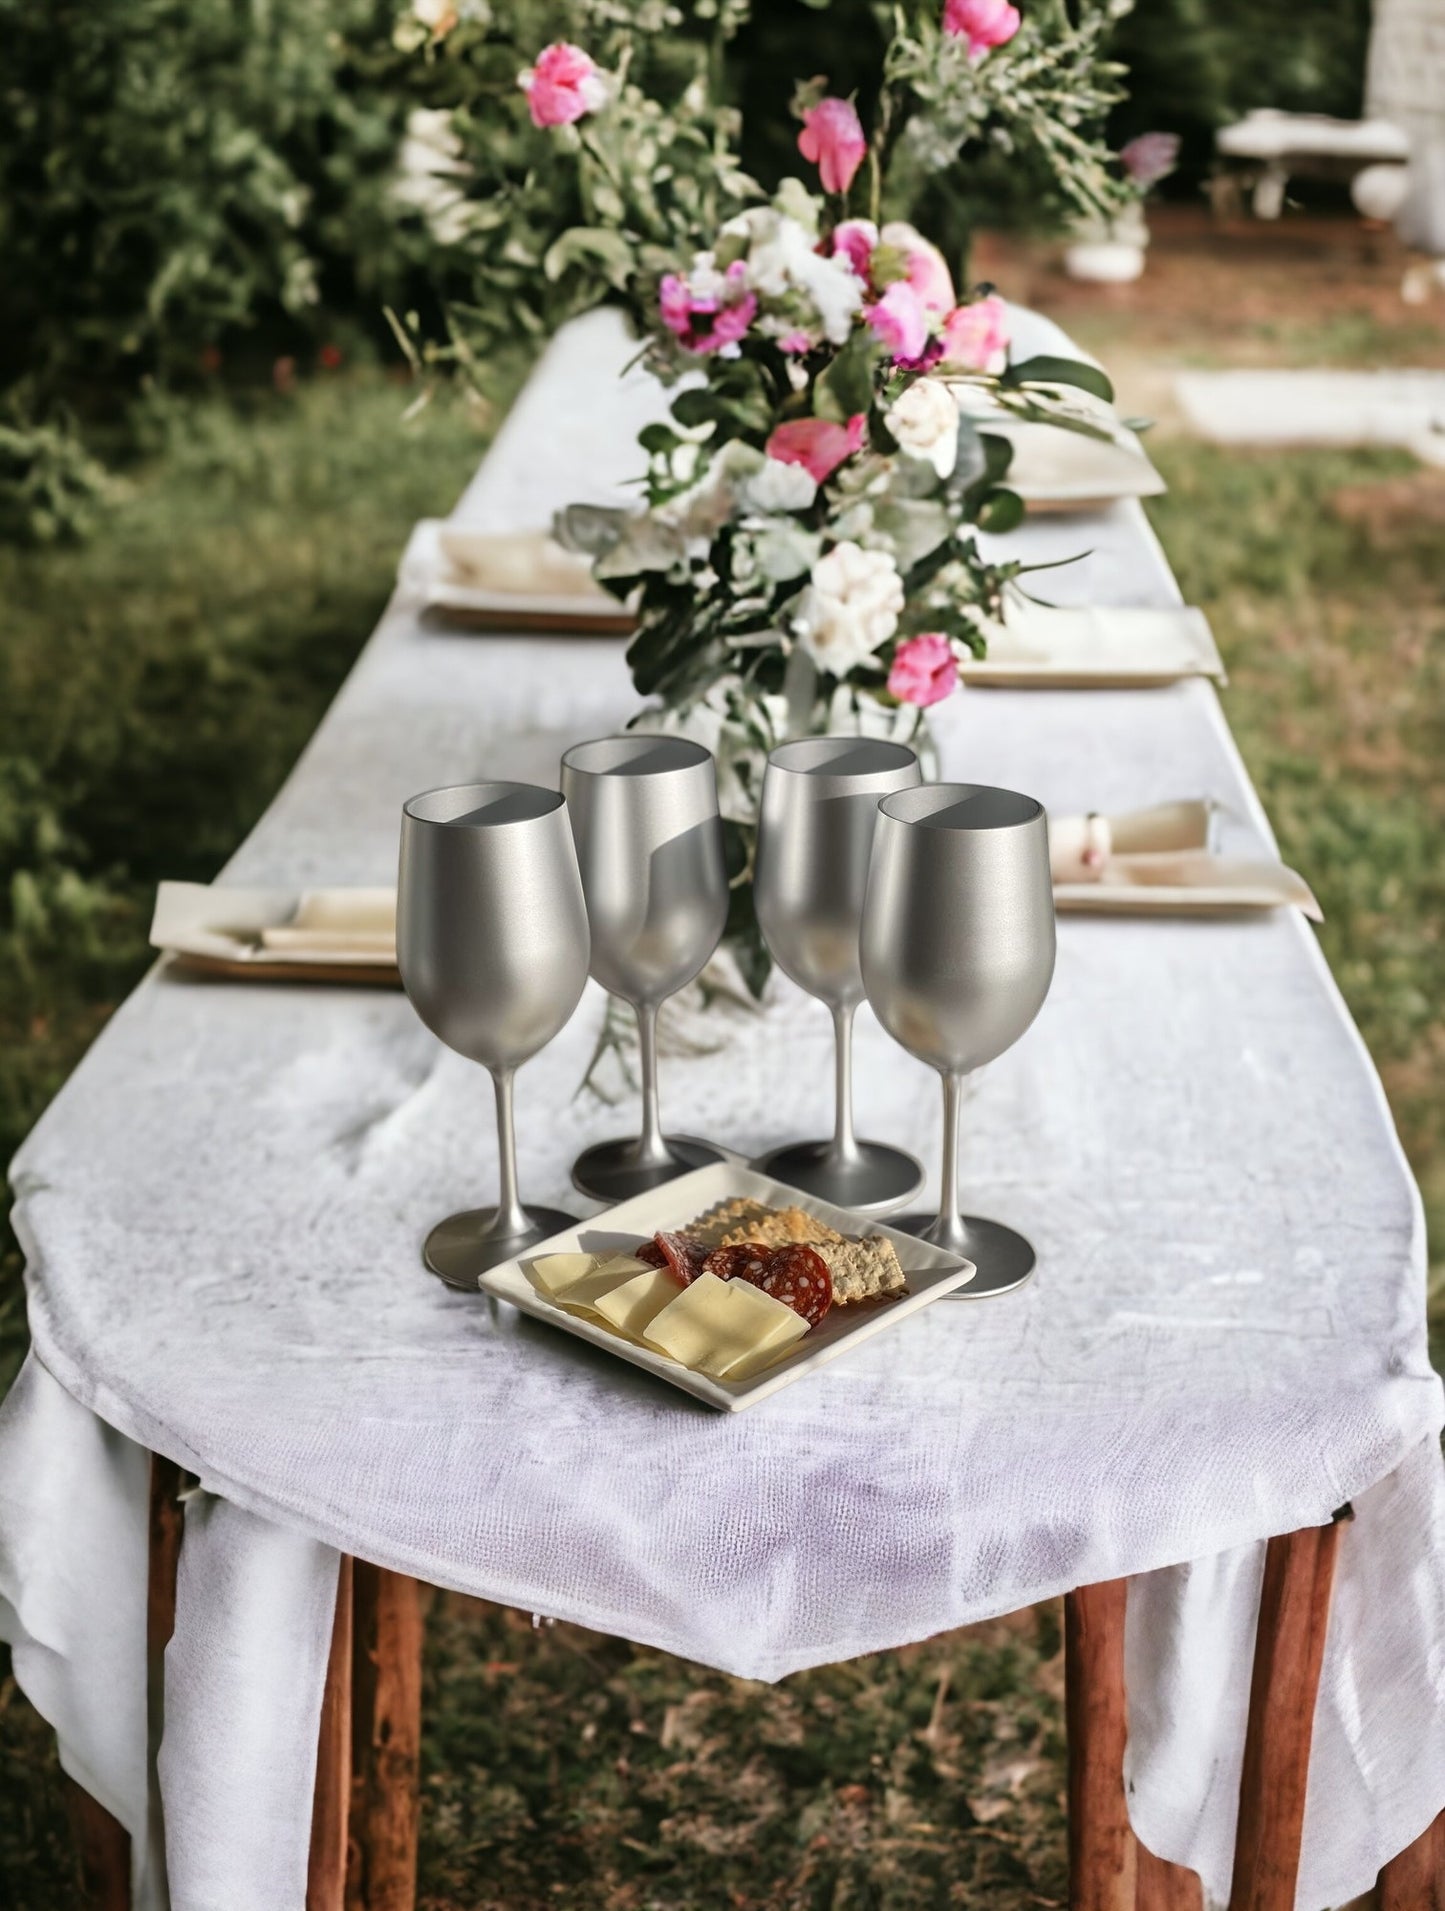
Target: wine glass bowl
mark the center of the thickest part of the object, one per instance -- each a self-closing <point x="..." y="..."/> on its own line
<point x="491" y="943"/>
<point x="645" y="820"/>
<point x="815" y="834"/>
<point x="957" y="952"/>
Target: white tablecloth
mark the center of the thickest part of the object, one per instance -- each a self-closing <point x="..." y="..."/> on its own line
<point x="1225" y="1340"/>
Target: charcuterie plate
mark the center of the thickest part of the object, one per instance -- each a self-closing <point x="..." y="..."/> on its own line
<point x="724" y="1346"/>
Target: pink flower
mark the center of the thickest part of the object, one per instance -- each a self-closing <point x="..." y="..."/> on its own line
<point x="1149" y="158"/>
<point x="832" y="137"/>
<point x="975" y="337"/>
<point x="711" y="317"/>
<point x="927" y="273"/>
<point x="854" y="240"/>
<point x="563" y="85"/>
<point x="817" y="444"/>
<point x="924" y="669"/>
<point x="796" y="344"/>
<point x="983" y="23"/>
<point x="900" y="322"/>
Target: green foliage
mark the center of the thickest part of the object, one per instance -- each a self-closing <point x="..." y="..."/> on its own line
<point x="1195" y="65"/>
<point x="176" y="173"/>
<point x="50" y="486"/>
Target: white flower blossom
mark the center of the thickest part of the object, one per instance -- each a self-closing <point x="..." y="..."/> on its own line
<point x="782" y="262"/>
<point x="924" y="420"/>
<point x="850" y="608"/>
<point x="779" y="487"/>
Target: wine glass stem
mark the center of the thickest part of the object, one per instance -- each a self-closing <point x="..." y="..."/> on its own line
<point x="652" y="1150"/>
<point x="511" y="1216"/>
<point x="948" y="1217"/>
<point x="845" y="1145"/>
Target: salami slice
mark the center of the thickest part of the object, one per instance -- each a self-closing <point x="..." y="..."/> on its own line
<point x="748" y="1262"/>
<point x="650" y="1255"/>
<point x="684" y="1256"/>
<point x="798" y="1276"/>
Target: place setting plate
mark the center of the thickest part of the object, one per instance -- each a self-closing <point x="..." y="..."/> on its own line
<point x="932" y="1273"/>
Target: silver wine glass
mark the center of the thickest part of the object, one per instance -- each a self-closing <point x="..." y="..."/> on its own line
<point x="815" y="833"/>
<point x="958" y="953"/>
<point x="491" y="941"/>
<point x="649" y="841"/>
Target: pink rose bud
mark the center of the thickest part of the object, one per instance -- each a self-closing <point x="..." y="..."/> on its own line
<point x="832" y="137"/>
<point x="924" y="669"/>
<point x="817" y="444"/>
<point x="564" y="85"/>
<point x="899" y="321"/>
<point x="983" y="23"/>
<point x="976" y="336"/>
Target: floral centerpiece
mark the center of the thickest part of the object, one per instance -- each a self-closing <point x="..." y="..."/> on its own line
<point x="805" y="555"/>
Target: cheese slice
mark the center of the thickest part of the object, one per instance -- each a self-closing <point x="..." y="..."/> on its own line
<point x="633" y="1307"/>
<point x="581" y="1296"/>
<point x="550" y="1273"/>
<point x="715" y="1326"/>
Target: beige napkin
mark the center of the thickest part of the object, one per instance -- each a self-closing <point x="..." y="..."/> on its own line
<point x="339" y="922"/>
<point x="267" y="928"/>
<point x="1162" y="856"/>
<point x="1099" y="645"/>
<point x="519" y="564"/>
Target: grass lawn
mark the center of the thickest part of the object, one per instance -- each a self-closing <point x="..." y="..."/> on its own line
<point x="154" y="688"/>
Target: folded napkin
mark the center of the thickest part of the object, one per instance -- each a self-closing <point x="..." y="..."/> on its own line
<point x="1163" y="855"/>
<point x="339" y="922"/>
<point x="272" y="930"/>
<point x="517" y="564"/>
<point x="1100" y="645"/>
<point x="508" y="581"/>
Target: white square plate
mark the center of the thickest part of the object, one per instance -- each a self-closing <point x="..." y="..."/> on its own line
<point x="931" y="1272"/>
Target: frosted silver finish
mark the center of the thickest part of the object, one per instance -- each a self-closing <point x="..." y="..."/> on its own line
<point x="491" y="941"/>
<point x="649" y="844"/>
<point x="957" y="953"/>
<point x="815" y="834"/>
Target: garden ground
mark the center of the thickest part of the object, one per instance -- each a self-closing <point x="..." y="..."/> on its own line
<point x="155" y="686"/>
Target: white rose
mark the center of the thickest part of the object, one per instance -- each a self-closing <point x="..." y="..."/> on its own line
<point x="924" y="420"/>
<point x="782" y="259"/>
<point x="850" y="608"/>
<point x="780" y="487"/>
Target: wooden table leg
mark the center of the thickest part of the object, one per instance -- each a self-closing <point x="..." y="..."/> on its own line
<point x="1160" y="1886"/>
<point x="331" y="1796"/>
<point x="1289" y="1649"/>
<point x="1415" y="1881"/>
<point x="386" y="1741"/>
<point x="1109" y="1870"/>
<point x="103" y="1846"/>
<point x="1102" y="1851"/>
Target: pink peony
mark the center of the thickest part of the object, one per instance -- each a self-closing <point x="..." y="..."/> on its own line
<point x="817" y="444"/>
<point x="975" y="337"/>
<point x="564" y="85"/>
<point x="832" y="137"/>
<point x="983" y="23"/>
<point x="854" y="240"/>
<point x="924" y="669"/>
<point x="900" y="322"/>
<point x="711" y="321"/>
<point x="927" y="273"/>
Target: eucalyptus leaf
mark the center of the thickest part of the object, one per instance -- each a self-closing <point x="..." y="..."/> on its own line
<point x="1001" y="511"/>
<point x="1045" y="369"/>
<point x="600" y="244"/>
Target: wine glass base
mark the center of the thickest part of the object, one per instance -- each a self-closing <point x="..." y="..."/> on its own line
<point x="1004" y="1259"/>
<point x="877" y="1179"/>
<point x="459" y="1250"/>
<point x="612" y="1172"/>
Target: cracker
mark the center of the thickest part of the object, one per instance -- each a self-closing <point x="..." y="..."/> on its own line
<point x="781" y="1227"/>
<point x="865" y="1270"/>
